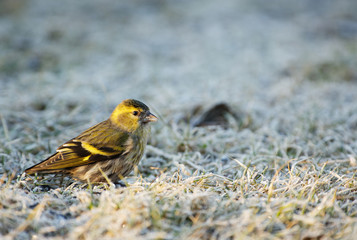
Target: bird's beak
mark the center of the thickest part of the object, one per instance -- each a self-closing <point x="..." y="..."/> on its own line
<point x="149" y="118"/>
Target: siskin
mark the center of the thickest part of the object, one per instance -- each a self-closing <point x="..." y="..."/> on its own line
<point x="109" y="149"/>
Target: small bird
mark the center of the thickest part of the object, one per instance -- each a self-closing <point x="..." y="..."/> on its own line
<point x="109" y="149"/>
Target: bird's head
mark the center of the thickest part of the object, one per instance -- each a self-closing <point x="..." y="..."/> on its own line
<point x="131" y="114"/>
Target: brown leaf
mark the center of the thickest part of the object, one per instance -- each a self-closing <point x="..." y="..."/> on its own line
<point x="217" y="115"/>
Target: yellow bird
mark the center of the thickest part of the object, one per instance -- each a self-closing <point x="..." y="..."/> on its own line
<point x="109" y="149"/>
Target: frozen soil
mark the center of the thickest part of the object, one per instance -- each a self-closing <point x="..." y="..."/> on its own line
<point x="283" y="166"/>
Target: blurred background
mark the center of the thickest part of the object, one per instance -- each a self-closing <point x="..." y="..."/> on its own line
<point x="65" y="55"/>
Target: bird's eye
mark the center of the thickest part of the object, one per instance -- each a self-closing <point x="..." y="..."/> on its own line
<point x="135" y="113"/>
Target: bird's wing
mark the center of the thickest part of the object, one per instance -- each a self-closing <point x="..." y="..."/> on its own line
<point x="89" y="147"/>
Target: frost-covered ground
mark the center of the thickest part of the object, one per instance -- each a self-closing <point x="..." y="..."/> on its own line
<point x="283" y="167"/>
